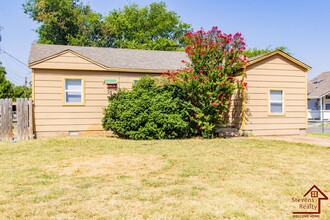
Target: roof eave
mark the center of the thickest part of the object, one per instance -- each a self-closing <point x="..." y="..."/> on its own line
<point x="110" y="69"/>
<point x="320" y="96"/>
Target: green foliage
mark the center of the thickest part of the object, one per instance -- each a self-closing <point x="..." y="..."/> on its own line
<point x="253" y="52"/>
<point x="209" y="81"/>
<point x="21" y="92"/>
<point x="151" y="27"/>
<point x="69" y="22"/>
<point x="6" y="87"/>
<point x="9" y="90"/>
<point x="191" y="101"/>
<point x="65" y="22"/>
<point x="145" y="112"/>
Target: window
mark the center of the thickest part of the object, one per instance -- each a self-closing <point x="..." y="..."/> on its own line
<point x="112" y="85"/>
<point x="135" y="82"/>
<point x="327" y="106"/>
<point x="73" y="91"/>
<point x="327" y="102"/>
<point x="314" y="193"/>
<point x="276" y="102"/>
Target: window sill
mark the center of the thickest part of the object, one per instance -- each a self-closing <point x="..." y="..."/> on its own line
<point x="276" y="114"/>
<point x="73" y="104"/>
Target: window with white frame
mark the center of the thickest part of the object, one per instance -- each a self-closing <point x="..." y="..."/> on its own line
<point x="327" y="102"/>
<point x="73" y="91"/>
<point x="276" y="101"/>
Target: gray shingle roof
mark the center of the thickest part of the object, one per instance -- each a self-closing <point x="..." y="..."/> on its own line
<point x="124" y="58"/>
<point x="257" y="57"/>
<point x="115" y="58"/>
<point x="319" y="86"/>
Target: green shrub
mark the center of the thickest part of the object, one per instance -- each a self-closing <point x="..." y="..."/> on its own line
<point x="146" y="112"/>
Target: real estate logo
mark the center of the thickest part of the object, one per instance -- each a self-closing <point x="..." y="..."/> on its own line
<point x="310" y="204"/>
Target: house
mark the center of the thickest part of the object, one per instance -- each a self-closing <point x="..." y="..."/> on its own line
<point x="276" y="95"/>
<point x="319" y="97"/>
<point x="70" y="86"/>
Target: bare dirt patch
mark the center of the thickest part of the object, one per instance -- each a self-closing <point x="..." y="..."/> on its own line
<point x="117" y="165"/>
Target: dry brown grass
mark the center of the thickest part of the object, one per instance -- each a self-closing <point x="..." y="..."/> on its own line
<point x="94" y="178"/>
<point x="105" y="165"/>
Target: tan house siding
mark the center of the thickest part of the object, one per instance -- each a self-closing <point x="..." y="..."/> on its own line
<point x="68" y="61"/>
<point x="53" y="118"/>
<point x="276" y="72"/>
<point x="52" y="64"/>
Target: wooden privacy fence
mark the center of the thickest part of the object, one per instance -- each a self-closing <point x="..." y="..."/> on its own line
<point x="16" y="120"/>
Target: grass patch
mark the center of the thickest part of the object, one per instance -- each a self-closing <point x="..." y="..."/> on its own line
<point x="84" y="178"/>
<point x="318" y="135"/>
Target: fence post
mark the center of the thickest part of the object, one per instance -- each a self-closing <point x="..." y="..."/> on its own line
<point x="26" y="119"/>
<point x="4" y="121"/>
<point x="2" y="126"/>
<point x="6" y="130"/>
<point x="22" y="119"/>
<point x="322" y="120"/>
<point x="30" y="119"/>
<point x="10" y="120"/>
<point x="19" y="119"/>
<point x="24" y="114"/>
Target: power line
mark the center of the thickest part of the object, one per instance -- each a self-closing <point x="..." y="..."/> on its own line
<point x="15" y="77"/>
<point x="20" y="77"/>
<point x="18" y="69"/>
<point x="14" y="58"/>
<point x="13" y="74"/>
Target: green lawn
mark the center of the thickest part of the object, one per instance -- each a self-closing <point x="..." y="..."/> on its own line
<point x="318" y="135"/>
<point x="109" y="178"/>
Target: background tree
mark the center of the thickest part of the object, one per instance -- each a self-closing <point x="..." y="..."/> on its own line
<point x="65" y="22"/>
<point x="253" y="52"/>
<point x="152" y="27"/>
<point x="6" y="87"/>
<point x="21" y="92"/>
<point x="9" y="90"/>
<point x="69" y="22"/>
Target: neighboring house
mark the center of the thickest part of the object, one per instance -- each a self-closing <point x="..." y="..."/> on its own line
<point x="319" y="97"/>
<point x="71" y="84"/>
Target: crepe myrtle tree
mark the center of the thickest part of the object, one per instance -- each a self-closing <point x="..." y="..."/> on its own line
<point x="210" y="78"/>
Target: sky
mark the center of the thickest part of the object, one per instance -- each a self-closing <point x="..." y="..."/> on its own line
<point x="303" y="26"/>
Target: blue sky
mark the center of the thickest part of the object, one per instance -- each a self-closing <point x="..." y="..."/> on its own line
<point x="301" y="25"/>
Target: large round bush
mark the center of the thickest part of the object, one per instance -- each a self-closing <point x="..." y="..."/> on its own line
<point x="146" y="112"/>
